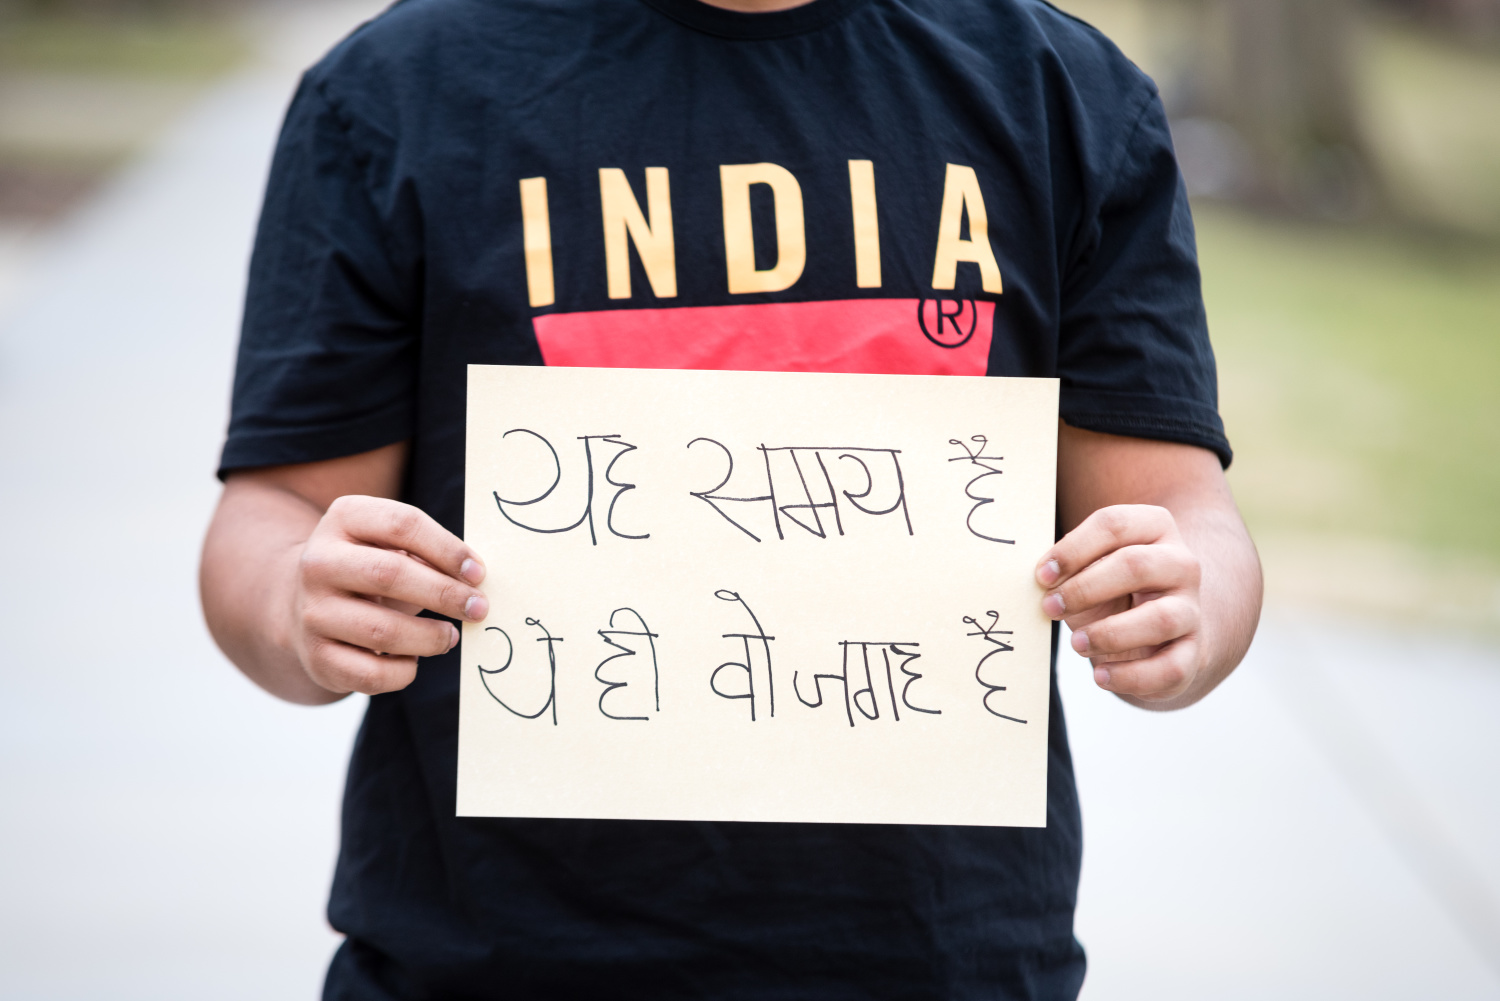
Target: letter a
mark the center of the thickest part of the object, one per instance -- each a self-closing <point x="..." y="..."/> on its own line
<point x="624" y="222"/>
<point x="960" y="195"/>
<point x="536" y="240"/>
<point x="739" y="236"/>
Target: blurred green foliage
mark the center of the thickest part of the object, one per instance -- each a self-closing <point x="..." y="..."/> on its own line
<point x="85" y="86"/>
<point x="140" y="44"/>
<point x="1360" y="377"/>
<point x="1432" y="112"/>
<point x="1359" y="362"/>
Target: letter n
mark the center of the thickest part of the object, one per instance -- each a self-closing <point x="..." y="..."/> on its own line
<point x="624" y="222"/>
<point x="961" y="196"/>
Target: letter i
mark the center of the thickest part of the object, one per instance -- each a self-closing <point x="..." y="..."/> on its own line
<point x="536" y="239"/>
<point x="866" y="224"/>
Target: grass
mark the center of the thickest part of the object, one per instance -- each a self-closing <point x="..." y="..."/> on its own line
<point x="1360" y="375"/>
<point x="136" y="46"/>
<point x="1359" y="366"/>
<point x="1430" y="108"/>
<point x="81" y="93"/>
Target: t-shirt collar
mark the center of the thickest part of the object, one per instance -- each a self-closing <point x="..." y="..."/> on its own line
<point x="737" y="24"/>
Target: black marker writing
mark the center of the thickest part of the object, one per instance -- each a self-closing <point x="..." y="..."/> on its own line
<point x="759" y="636"/>
<point x="800" y="478"/>
<point x="992" y="636"/>
<point x="988" y="464"/>
<point x="712" y="497"/>
<point x="870" y="708"/>
<point x="610" y="636"/>
<point x="587" y="514"/>
<point x="486" y="674"/>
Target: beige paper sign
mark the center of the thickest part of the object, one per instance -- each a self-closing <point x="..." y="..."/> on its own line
<point x="757" y="596"/>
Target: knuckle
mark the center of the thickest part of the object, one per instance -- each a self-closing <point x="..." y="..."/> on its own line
<point x="1136" y="561"/>
<point x="1103" y="637"/>
<point x="322" y="664"/>
<point x="315" y="650"/>
<point x="371" y="675"/>
<point x="450" y="596"/>
<point x="380" y="632"/>
<point x="1135" y="683"/>
<point x="313" y="563"/>
<point x="1076" y="595"/>
<point x="439" y="640"/>
<point x="385" y="571"/>
<point x="317" y="618"/>
<point x="1159" y="617"/>
<point x="343" y="508"/>
<point x="393" y="674"/>
<point x="362" y="678"/>
<point x="1123" y="678"/>
<point x="1181" y="616"/>
<point x="1173" y="676"/>
<point x="1114" y="520"/>
<point x="402" y="522"/>
<point x="1181" y="565"/>
<point x="1192" y="566"/>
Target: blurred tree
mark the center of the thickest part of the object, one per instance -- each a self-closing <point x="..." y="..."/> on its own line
<point x="1267" y="107"/>
<point x="1480" y="17"/>
<point x="15" y="9"/>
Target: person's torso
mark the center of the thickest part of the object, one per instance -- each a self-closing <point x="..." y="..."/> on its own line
<point x="875" y="187"/>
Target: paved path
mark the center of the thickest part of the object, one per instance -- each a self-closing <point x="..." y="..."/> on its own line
<point x="1325" y="827"/>
<point x="169" y="830"/>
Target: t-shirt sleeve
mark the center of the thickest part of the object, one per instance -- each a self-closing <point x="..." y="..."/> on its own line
<point x="327" y="351"/>
<point x="1134" y="356"/>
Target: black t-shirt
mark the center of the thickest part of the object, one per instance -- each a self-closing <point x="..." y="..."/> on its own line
<point x="937" y="186"/>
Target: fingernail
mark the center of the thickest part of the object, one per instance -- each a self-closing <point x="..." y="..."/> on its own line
<point x="476" y="608"/>
<point x="1081" y="642"/>
<point x="453" y="639"/>
<point x="1054" y="606"/>
<point x="1101" y="677"/>
<point x="472" y="571"/>
<point x="1048" y="573"/>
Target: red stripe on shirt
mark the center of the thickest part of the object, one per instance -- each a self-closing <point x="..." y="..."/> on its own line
<point x="883" y="336"/>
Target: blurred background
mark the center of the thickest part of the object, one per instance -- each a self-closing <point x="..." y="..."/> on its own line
<point x="1326" y="826"/>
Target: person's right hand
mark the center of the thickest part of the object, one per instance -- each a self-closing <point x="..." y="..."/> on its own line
<point x="369" y="567"/>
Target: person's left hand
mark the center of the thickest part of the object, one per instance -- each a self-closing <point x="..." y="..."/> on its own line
<point x="1127" y="585"/>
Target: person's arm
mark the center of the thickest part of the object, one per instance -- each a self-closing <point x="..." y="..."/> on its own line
<point x="309" y="584"/>
<point x="1156" y="576"/>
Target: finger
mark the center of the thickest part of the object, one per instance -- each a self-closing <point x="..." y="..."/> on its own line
<point x="341" y="668"/>
<point x="1132" y="570"/>
<point x="1158" y="678"/>
<point x="1149" y="624"/>
<point x="1101" y="533"/>
<point x="385" y="573"/>
<point x="393" y="525"/>
<point x="379" y="629"/>
<point x="1087" y="617"/>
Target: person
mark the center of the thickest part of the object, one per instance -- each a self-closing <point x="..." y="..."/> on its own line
<point x="961" y="187"/>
